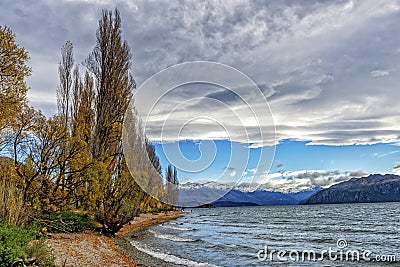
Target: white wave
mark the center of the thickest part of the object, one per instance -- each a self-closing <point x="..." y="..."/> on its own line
<point x="170" y="258"/>
<point x="171" y="237"/>
<point x="221" y="244"/>
<point x="176" y="228"/>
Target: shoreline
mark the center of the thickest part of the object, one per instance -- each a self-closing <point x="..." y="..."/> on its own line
<point x="89" y="248"/>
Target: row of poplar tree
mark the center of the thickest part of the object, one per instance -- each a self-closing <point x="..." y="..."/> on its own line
<point x="75" y="160"/>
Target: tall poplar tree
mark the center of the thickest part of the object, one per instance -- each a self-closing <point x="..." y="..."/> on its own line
<point x="110" y="63"/>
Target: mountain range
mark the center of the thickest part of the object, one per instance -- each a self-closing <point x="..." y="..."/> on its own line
<point x="374" y="188"/>
<point x="195" y="194"/>
<point x="263" y="198"/>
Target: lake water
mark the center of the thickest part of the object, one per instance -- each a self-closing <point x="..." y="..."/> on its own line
<point x="235" y="236"/>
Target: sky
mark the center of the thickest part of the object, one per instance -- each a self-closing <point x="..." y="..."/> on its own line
<point x="328" y="72"/>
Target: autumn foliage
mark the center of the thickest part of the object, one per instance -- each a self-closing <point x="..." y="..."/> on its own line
<point x="74" y="159"/>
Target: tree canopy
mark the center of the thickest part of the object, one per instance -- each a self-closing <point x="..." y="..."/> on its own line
<point x="13" y="71"/>
<point x="74" y="160"/>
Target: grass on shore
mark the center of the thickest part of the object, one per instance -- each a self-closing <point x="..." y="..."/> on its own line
<point x="23" y="243"/>
<point x="27" y="243"/>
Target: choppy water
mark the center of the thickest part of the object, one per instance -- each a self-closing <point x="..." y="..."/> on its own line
<point x="233" y="236"/>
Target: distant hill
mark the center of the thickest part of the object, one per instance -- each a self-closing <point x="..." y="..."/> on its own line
<point x="265" y="198"/>
<point x="374" y="188"/>
<point x="237" y="197"/>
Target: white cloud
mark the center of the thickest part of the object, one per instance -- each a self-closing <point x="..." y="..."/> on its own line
<point x="379" y="155"/>
<point x="296" y="181"/>
<point x="379" y="73"/>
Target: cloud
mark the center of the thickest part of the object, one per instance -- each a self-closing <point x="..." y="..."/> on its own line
<point x="358" y="173"/>
<point x="396" y="169"/>
<point x="380" y="155"/>
<point x="379" y="73"/>
<point x="295" y="181"/>
<point x="230" y="169"/>
<point x="311" y="59"/>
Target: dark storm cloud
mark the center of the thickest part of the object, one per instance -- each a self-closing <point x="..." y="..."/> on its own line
<point x="330" y="69"/>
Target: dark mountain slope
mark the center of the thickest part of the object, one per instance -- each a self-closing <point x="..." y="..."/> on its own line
<point x="374" y="188"/>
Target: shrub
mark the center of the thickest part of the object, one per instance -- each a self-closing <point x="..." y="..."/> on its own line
<point x="164" y="209"/>
<point x="20" y="242"/>
<point x="69" y="221"/>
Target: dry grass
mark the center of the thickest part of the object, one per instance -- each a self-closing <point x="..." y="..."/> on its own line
<point x="11" y="202"/>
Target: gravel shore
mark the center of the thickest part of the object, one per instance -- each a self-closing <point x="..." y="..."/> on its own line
<point x="141" y="258"/>
<point x="92" y="249"/>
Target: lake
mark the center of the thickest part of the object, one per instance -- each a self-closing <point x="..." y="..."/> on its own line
<point x="317" y="235"/>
